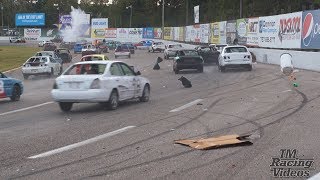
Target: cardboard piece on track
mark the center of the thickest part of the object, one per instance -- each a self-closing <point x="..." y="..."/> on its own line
<point x="215" y="142"/>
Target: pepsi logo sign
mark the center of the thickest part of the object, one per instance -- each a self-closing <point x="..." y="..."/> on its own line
<point x="310" y="30"/>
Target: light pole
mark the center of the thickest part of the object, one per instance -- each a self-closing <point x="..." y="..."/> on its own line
<point x="162" y="28"/>
<point x="130" y="13"/>
<point x="1" y="17"/>
<point x="57" y="5"/>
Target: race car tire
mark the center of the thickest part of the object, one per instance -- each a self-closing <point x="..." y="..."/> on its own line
<point x="113" y="102"/>
<point x="65" y="106"/>
<point x="145" y="94"/>
<point x="16" y="92"/>
<point x="51" y="74"/>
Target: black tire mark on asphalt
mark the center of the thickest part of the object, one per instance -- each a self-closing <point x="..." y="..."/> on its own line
<point x="117" y="149"/>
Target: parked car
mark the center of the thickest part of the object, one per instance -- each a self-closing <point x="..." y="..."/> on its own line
<point x="105" y="82"/>
<point x="17" y="39"/>
<point x="41" y="65"/>
<point x="49" y="46"/>
<point x="89" y="49"/>
<point x="171" y="50"/>
<point x="146" y="43"/>
<point x="131" y="47"/>
<point x="10" y="88"/>
<point x="209" y="54"/>
<point x="235" y="56"/>
<point x="64" y="54"/>
<point x="77" y="48"/>
<point x="157" y="46"/>
<point x="122" y="50"/>
<point x="95" y="57"/>
<point x="52" y="54"/>
<point x="187" y="59"/>
<point x="41" y="43"/>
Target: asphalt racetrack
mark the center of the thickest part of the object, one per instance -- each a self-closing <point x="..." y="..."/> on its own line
<point x="136" y="141"/>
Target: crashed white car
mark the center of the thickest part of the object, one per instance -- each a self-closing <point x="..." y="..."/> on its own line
<point x="41" y="65"/>
<point x="41" y="43"/>
<point x="235" y="56"/>
<point x="171" y="50"/>
<point x="105" y="82"/>
<point x="157" y="46"/>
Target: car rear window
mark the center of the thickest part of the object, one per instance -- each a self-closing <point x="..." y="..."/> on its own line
<point x="44" y="54"/>
<point x="86" y="69"/>
<point x="235" y="49"/>
<point x="158" y="43"/>
<point x="189" y="53"/>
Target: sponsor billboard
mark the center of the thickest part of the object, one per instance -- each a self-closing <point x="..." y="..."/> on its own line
<point x="214" y="33"/>
<point x="195" y="33"/>
<point x="223" y="32"/>
<point x="83" y="26"/>
<point x="167" y="33"/>
<point x="147" y="33"/>
<point x="181" y="33"/>
<point x="98" y="33"/>
<point x="204" y="33"/>
<point x="188" y="33"/>
<point x="231" y="30"/>
<point x="196" y="14"/>
<point x="122" y="32"/>
<point x="310" y="38"/>
<point x="176" y="33"/>
<point x="30" y="19"/>
<point x="135" y="33"/>
<point x="157" y="33"/>
<point x="252" y="37"/>
<point x="289" y="34"/>
<point x="32" y="34"/>
<point x="268" y="31"/>
<point x="111" y="33"/>
<point x="99" y="23"/>
<point x="242" y="31"/>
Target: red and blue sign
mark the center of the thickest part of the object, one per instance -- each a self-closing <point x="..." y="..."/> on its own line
<point x="147" y="33"/>
<point x="310" y="37"/>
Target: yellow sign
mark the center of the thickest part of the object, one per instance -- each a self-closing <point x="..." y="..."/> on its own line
<point x="215" y="34"/>
<point x="167" y="33"/>
<point x="98" y="33"/>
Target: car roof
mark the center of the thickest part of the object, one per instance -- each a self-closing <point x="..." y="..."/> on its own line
<point x="97" y="62"/>
<point x="187" y="49"/>
<point x="235" y="46"/>
<point x="91" y="55"/>
<point x="38" y="56"/>
<point x="45" y="51"/>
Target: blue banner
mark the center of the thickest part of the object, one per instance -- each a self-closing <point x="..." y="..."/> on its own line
<point x="147" y="33"/>
<point x="30" y="19"/>
<point x="310" y="37"/>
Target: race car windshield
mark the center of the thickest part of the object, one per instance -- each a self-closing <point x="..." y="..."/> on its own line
<point x="43" y="54"/>
<point x="235" y="50"/>
<point x="86" y="69"/>
<point x="190" y="53"/>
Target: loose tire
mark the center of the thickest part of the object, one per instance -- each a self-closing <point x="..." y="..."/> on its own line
<point x="113" y="100"/>
<point x="16" y="93"/>
<point x="145" y="94"/>
<point x="65" y="106"/>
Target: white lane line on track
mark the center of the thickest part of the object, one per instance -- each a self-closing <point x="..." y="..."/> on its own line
<point x="186" y="105"/>
<point x="315" y="177"/>
<point x="82" y="143"/>
<point x="12" y="70"/>
<point x="27" y="108"/>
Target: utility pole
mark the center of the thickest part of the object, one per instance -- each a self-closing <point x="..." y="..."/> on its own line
<point x="1" y="17"/>
<point x="187" y="12"/>
<point x="130" y="13"/>
<point x="162" y="28"/>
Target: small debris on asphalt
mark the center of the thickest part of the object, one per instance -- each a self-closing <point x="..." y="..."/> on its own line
<point x="172" y="129"/>
<point x="216" y="142"/>
<point x="199" y="104"/>
<point x="205" y="109"/>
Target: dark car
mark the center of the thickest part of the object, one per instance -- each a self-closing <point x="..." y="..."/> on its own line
<point x="131" y="47"/>
<point x="187" y="59"/>
<point x="209" y="54"/>
<point x="64" y="54"/>
<point x="52" y="54"/>
<point x="68" y="45"/>
<point x="49" y="46"/>
<point x="102" y="47"/>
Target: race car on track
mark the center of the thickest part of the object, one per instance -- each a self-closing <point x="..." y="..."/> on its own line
<point x="171" y="50"/>
<point x="187" y="59"/>
<point x="89" y="49"/>
<point x="64" y="54"/>
<point x="209" y="54"/>
<point x="235" y="56"/>
<point x="77" y="48"/>
<point x="17" y="39"/>
<point x="122" y="50"/>
<point x="105" y="82"/>
<point x="41" y="43"/>
<point x="49" y="46"/>
<point x="41" y="65"/>
<point x="10" y="88"/>
<point x="156" y="46"/>
<point x="95" y="57"/>
<point x="52" y="54"/>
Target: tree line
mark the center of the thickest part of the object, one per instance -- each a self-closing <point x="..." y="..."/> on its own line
<point x="148" y="13"/>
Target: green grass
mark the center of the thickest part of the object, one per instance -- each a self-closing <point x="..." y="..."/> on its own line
<point x="14" y="56"/>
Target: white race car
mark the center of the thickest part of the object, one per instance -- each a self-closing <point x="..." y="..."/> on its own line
<point x="41" y="43"/>
<point x="105" y="82"/>
<point x="235" y="56"/>
<point x="171" y="50"/>
<point x="41" y="65"/>
<point x="157" y="46"/>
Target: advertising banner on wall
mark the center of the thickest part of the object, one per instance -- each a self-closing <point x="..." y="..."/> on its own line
<point x="65" y="22"/>
<point x="167" y="33"/>
<point x="188" y="33"/>
<point x="51" y="32"/>
<point x="30" y="19"/>
<point x="32" y="34"/>
<point x="181" y="34"/>
<point x="310" y="38"/>
<point x="122" y="32"/>
<point x="98" y="26"/>
<point x="242" y="31"/>
<point x="135" y="33"/>
<point x="195" y="33"/>
<point x="83" y="27"/>
<point x="214" y="33"/>
<point x="204" y="33"/>
<point x="268" y="31"/>
<point x="223" y="32"/>
<point x="111" y="32"/>
<point x="176" y="33"/>
<point x="147" y="33"/>
<point x="157" y="33"/>
<point x="231" y="31"/>
<point x="253" y="28"/>
<point x="196" y="14"/>
<point x="290" y="27"/>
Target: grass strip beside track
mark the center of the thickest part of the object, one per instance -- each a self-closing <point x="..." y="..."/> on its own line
<point x="14" y="56"/>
